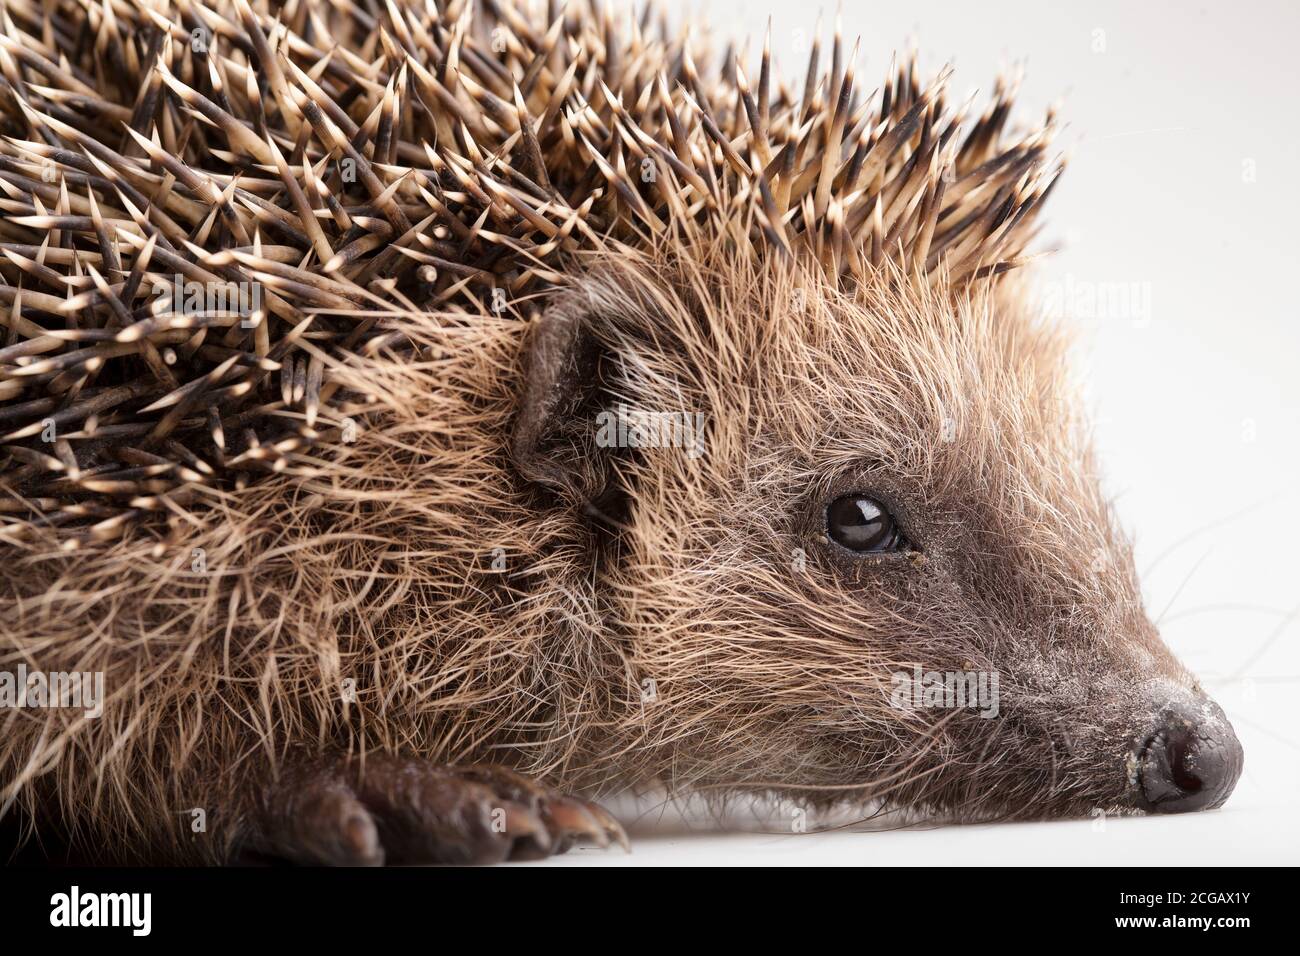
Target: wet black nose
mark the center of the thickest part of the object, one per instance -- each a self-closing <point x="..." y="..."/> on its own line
<point x="1190" y="762"/>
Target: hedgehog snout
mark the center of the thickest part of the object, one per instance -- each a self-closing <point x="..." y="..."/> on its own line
<point x="1189" y="761"/>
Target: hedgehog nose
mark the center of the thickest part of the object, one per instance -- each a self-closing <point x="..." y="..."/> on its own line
<point x="1191" y="761"/>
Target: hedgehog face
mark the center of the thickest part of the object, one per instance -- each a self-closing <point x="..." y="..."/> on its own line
<point x="892" y="573"/>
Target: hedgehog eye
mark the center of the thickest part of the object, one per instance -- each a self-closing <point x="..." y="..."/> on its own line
<point x="863" y="524"/>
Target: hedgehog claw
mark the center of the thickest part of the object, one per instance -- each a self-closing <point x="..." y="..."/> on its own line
<point x="614" y="831"/>
<point x="574" y="822"/>
<point x="572" y="817"/>
<point x="531" y="838"/>
<point x="409" y="811"/>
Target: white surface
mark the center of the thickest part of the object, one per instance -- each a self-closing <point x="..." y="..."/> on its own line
<point x="1238" y="834"/>
<point x="1197" y="403"/>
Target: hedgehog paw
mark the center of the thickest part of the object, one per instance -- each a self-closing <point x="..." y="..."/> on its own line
<point x="396" y="810"/>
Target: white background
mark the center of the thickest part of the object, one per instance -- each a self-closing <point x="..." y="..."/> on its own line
<point x="1183" y="179"/>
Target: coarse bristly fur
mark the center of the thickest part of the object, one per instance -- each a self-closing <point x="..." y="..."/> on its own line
<point x="232" y="520"/>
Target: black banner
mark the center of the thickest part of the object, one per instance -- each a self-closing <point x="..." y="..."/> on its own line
<point x="440" y="904"/>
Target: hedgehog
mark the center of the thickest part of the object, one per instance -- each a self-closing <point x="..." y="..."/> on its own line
<point x="421" y="420"/>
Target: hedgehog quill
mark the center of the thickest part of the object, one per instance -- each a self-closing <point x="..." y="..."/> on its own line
<point x="564" y="405"/>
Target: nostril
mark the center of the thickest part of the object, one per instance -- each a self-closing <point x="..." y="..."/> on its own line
<point x="1191" y="762"/>
<point x="1179" y="748"/>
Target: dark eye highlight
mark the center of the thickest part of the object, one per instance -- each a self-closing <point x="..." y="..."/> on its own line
<point x="862" y="524"/>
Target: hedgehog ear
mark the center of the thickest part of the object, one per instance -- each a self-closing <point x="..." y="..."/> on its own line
<point x="552" y="443"/>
